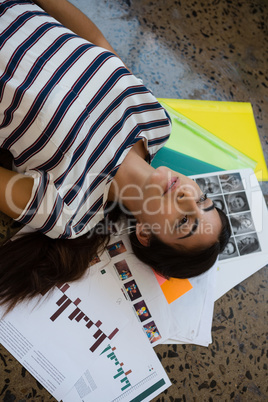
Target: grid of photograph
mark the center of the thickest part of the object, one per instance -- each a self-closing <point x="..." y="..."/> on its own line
<point x="228" y="194"/>
<point x="132" y="291"/>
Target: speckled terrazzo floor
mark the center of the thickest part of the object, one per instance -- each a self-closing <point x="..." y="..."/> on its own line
<point x="207" y="49"/>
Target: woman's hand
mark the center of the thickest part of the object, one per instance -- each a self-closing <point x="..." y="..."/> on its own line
<point x="15" y="192"/>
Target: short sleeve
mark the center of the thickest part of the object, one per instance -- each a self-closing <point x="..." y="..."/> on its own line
<point x="46" y="210"/>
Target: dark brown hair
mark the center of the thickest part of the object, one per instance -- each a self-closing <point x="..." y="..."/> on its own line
<point x="34" y="263"/>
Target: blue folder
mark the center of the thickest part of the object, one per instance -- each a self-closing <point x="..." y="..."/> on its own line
<point x="182" y="163"/>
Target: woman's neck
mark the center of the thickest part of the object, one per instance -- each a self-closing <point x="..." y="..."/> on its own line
<point x="130" y="177"/>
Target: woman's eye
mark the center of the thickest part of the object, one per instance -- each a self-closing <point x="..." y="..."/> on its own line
<point x="182" y="221"/>
<point x="203" y="198"/>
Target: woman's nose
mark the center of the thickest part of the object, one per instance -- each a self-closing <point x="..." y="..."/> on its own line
<point x="186" y="202"/>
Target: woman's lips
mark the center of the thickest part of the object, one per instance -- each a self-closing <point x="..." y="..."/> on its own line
<point x="172" y="184"/>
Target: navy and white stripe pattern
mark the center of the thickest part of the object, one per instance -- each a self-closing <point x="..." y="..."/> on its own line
<point x="69" y="113"/>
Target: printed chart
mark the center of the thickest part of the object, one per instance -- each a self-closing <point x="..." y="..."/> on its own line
<point x="131" y="370"/>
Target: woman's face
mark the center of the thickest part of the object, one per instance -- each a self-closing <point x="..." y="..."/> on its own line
<point x="176" y="210"/>
<point x="245" y="223"/>
<point x="229" y="249"/>
<point x="235" y="181"/>
<point x="248" y="240"/>
<point x="237" y="202"/>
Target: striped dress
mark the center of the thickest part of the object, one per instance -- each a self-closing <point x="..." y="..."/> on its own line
<point x="69" y="114"/>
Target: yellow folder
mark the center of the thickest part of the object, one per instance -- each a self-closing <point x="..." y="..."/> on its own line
<point x="232" y="123"/>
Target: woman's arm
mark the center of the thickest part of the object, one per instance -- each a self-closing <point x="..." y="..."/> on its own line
<point x="15" y="192"/>
<point x="72" y="18"/>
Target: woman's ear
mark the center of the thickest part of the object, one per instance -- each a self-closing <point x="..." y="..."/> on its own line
<point x="143" y="234"/>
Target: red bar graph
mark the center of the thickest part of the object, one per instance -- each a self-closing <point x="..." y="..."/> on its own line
<point x="62" y="300"/>
<point x="113" y="333"/>
<point x="64" y="287"/>
<point x="74" y="313"/>
<point x="77" y="315"/>
<point x="77" y="301"/>
<point x="60" y="310"/>
<point x="98" y="343"/>
<point x="97" y="334"/>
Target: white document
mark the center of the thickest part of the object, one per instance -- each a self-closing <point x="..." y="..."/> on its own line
<point x="194" y="311"/>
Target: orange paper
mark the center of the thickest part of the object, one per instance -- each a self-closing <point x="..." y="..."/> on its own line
<point x="173" y="288"/>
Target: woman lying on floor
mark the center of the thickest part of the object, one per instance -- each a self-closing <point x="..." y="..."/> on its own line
<point x="83" y="131"/>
